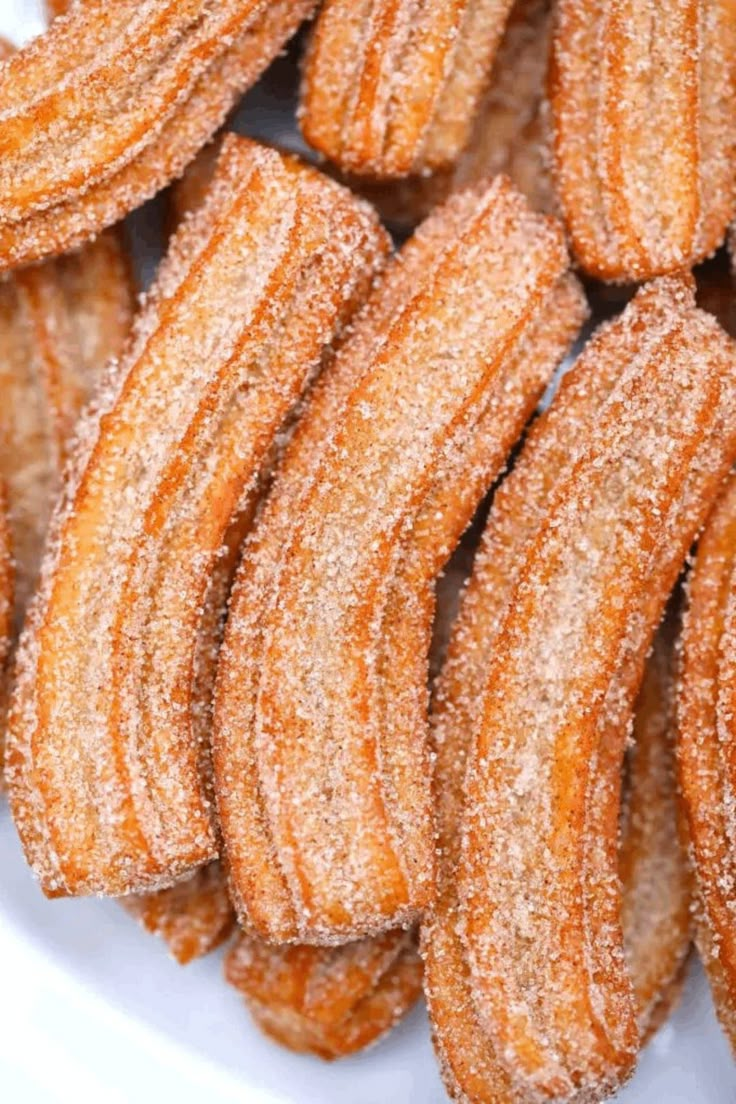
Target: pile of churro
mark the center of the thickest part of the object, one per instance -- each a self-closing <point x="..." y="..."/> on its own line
<point x="321" y="634"/>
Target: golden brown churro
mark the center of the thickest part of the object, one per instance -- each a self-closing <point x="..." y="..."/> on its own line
<point x="104" y="764"/>
<point x="391" y="88"/>
<point x="655" y="878"/>
<point x="643" y="102"/>
<point x="539" y="1039"/>
<point x="509" y="132"/>
<point x="705" y="716"/>
<point x="112" y="103"/>
<point x="328" y="1001"/>
<point x="193" y="917"/>
<point x="323" y="799"/>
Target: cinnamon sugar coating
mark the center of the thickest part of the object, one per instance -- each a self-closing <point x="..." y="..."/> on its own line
<point x="254" y="289"/>
<point x="327" y="1001"/>
<point x="111" y="104"/>
<point x="643" y="100"/>
<point x="509" y="132"/>
<point x="705" y="717"/>
<point x="509" y="135"/>
<point x="525" y="937"/>
<point x="656" y="913"/>
<point x="193" y="917"/>
<point x="391" y="88"/>
<point x="323" y="793"/>
<point x="60" y="323"/>
<point x="234" y="699"/>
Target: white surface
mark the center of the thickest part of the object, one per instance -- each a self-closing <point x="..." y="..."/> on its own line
<point x="91" y="1004"/>
<point x="91" y="1007"/>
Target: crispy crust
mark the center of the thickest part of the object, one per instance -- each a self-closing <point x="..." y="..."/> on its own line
<point x="391" y="87"/>
<point x="60" y="323"/>
<point x="705" y="737"/>
<point x="574" y="1030"/>
<point x="67" y="172"/>
<point x="643" y="102"/>
<point x="588" y="1054"/>
<point x="328" y="1001"/>
<point x="509" y="133"/>
<point x="466" y="1057"/>
<point x="657" y="892"/>
<point x="325" y="811"/>
<point x="252" y="292"/>
<point x="467" y="1060"/>
<point x="193" y="917"/>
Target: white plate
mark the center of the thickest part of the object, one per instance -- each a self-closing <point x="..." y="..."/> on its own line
<point x="91" y="1007"/>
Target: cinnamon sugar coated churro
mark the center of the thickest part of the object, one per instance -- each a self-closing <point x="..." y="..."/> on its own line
<point x="621" y="521"/>
<point x="193" y="917"/>
<point x="113" y="101"/>
<point x="392" y="88"/>
<point x="705" y="718"/>
<point x="644" y="123"/>
<point x="657" y="897"/>
<point x="490" y="1052"/>
<point x="60" y="322"/>
<point x="326" y="821"/>
<point x="328" y="1001"/>
<point x="253" y="290"/>
<point x="366" y="615"/>
<point x="509" y="132"/>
